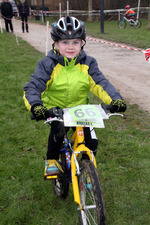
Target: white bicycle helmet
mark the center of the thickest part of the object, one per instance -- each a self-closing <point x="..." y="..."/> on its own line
<point x="60" y="30"/>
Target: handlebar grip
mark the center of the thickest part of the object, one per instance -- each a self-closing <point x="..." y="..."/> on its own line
<point x="56" y="112"/>
<point x="107" y="108"/>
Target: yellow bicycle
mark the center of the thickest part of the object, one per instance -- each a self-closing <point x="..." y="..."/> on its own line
<point x="79" y="170"/>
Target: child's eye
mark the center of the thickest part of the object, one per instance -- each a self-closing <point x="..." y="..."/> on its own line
<point x="64" y="42"/>
<point x="76" y="42"/>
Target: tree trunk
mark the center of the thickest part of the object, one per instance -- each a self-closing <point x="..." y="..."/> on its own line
<point x="89" y="10"/>
<point x="149" y="17"/>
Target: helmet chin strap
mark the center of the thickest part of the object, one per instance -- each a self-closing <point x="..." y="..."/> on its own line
<point x="83" y="44"/>
<point x="55" y="50"/>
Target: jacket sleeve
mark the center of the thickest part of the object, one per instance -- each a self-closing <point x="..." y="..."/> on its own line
<point x="126" y="12"/>
<point x="38" y="83"/>
<point x="100" y="86"/>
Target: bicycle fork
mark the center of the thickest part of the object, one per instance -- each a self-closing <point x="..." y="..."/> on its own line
<point x="79" y="147"/>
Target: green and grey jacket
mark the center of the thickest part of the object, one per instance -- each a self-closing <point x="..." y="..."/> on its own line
<point x="60" y="82"/>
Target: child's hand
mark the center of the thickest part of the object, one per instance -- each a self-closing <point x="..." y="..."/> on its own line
<point x="40" y="112"/>
<point x="118" y="105"/>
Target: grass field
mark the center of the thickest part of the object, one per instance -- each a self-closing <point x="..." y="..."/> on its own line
<point x="123" y="156"/>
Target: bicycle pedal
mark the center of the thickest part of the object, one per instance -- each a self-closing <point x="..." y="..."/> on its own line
<point x="50" y="177"/>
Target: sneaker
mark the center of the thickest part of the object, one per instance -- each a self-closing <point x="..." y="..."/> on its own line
<point x="52" y="167"/>
<point x="88" y="182"/>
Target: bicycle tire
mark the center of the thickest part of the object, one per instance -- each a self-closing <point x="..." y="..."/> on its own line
<point x="60" y="185"/>
<point x="92" y="200"/>
<point x="122" y="24"/>
<point x="138" y="24"/>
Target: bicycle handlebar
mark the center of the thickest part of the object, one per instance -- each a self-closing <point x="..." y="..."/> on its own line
<point x="59" y="112"/>
<point x="107" y="108"/>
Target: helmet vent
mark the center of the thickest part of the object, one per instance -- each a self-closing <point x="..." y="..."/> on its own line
<point x="68" y="19"/>
<point x="76" y="23"/>
<point x="61" y="24"/>
<point x="69" y="28"/>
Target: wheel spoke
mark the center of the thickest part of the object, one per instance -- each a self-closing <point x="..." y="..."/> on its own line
<point x="91" y="216"/>
<point x="91" y="198"/>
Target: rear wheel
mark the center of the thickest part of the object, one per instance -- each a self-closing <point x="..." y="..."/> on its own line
<point x="91" y="196"/>
<point x="60" y="185"/>
<point x="137" y="24"/>
<point x="122" y="24"/>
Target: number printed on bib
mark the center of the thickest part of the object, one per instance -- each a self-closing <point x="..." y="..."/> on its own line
<point x="84" y="116"/>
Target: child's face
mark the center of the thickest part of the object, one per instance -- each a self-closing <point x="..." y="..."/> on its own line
<point x="69" y="48"/>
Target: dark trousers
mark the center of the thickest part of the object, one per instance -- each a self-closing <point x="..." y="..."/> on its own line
<point x="24" y="18"/>
<point x="8" y="24"/>
<point x="56" y="139"/>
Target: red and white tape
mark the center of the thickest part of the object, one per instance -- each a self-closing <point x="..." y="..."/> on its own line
<point x="113" y="44"/>
<point x="147" y="55"/>
<point x="146" y="52"/>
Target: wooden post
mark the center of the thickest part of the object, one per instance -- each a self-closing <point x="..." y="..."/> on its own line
<point x="60" y="10"/>
<point x="47" y="32"/>
<point x="67" y="8"/>
<point x="89" y="10"/>
<point x="102" y="15"/>
<point x="138" y="9"/>
<point x="1" y="26"/>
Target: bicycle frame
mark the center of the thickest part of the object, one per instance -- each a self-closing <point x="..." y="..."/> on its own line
<point x="130" y="20"/>
<point x="133" y="22"/>
<point x="78" y="148"/>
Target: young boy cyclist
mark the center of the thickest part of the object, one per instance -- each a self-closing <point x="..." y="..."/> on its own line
<point x="63" y="79"/>
<point x="130" y="14"/>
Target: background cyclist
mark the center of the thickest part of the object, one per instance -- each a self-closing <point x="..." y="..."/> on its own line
<point x="130" y="13"/>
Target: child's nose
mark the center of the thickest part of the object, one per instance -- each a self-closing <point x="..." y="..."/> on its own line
<point x="70" y="45"/>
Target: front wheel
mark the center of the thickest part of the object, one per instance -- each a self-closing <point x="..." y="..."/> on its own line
<point x="137" y="24"/>
<point x="122" y="24"/>
<point x="91" y="195"/>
